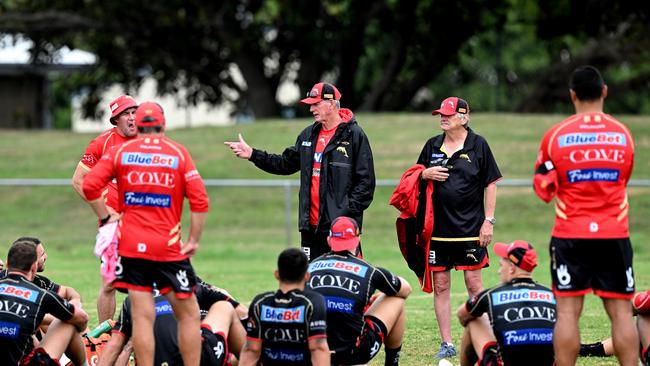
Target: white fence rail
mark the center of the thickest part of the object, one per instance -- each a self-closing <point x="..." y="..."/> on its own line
<point x="286" y="184"/>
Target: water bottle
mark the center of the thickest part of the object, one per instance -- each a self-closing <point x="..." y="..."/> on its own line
<point x="103" y="327"/>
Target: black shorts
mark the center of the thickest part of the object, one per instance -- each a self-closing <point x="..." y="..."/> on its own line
<point x="461" y="255"/>
<point x="214" y="348"/>
<point x="579" y="266"/>
<point x="38" y="357"/>
<point x="367" y="346"/>
<point x="142" y="275"/>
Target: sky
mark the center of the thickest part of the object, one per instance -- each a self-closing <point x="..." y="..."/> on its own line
<point x="11" y="53"/>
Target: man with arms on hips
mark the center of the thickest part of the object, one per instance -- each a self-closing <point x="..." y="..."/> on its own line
<point x="464" y="173"/>
<point x="24" y="306"/>
<point x="123" y="118"/>
<point x="221" y="330"/>
<point x="333" y="156"/>
<point x="510" y="324"/>
<point x="154" y="175"/>
<point x="354" y="333"/>
<point x="586" y="162"/>
<point x="287" y="327"/>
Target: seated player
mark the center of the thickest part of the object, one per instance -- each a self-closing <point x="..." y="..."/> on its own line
<point x="24" y="305"/>
<point x="354" y="333"/>
<point x="510" y="324"/>
<point x="222" y="332"/>
<point x="287" y="327"/>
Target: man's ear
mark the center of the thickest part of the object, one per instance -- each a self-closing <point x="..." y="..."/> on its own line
<point x="574" y="98"/>
<point x="604" y="92"/>
<point x="307" y="276"/>
<point x="277" y="275"/>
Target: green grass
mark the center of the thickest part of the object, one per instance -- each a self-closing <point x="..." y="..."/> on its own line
<point x="246" y="229"/>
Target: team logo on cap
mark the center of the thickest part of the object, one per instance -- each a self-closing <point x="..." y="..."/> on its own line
<point x="114" y="107"/>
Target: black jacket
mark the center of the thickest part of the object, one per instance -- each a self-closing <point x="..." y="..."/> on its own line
<point x="347" y="177"/>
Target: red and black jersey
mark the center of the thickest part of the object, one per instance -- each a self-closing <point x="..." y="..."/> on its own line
<point x="348" y="283"/>
<point x="22" y="308"/>
<point x="153" y="174"/>
<point x="593" y="155"/>
<point x="285" y="323"/>
<point x="522" y="314"/>
<point x="98" y="147"/>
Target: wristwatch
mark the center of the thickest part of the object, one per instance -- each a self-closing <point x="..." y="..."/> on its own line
<point x="491" y="220"/>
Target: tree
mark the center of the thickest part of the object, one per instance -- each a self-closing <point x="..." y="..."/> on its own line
<point x="379" y="53"/>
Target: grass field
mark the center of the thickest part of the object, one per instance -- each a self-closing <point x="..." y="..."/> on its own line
<point x="246" y="229"/>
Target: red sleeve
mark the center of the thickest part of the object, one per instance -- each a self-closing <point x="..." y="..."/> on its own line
<point x="99" y="176"/>
<point x="194" y="187"/>
<point x="94" y="151"/>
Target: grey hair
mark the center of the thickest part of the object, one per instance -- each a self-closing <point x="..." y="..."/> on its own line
<point x="464" y="117"/>
<point x="338" y="104"/>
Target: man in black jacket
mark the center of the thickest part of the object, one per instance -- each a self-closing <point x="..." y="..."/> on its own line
<point x="333" y="155"/>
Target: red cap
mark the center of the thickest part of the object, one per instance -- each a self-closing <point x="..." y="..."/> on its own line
<point x="344" y="234"/>
<point x="119" y="105"/>
<point x="149" y="114"/>
<point x="519" y="252"/>
<point x="451" y="106"/>
<point x="321" y="91"/>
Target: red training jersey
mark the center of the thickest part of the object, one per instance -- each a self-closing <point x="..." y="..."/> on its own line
<point x="324" y="137"/>
<point x="593" y="154"/>
<point x="96" y="148"/>
<point x="153" y="175"/>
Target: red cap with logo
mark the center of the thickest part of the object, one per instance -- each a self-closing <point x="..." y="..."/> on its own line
<point x="344" y="234"/>
<point x="519" y="252"/>
<point x="321" y="91"/>
<point x="149" y="114"/>
<point x="119" y="105"/>
<point x="451" y="106"/>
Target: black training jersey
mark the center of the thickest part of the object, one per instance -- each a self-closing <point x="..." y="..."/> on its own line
<point x="164" y="330"/>
<point x="22" y="307"/>
<point x="285" y="323"/>
<point x="347" y="283"/>
<point x="40" y="281"/>
<point x="458" y="202"/>
<point x="522" y="314"/>
<point x="165" y="326"/>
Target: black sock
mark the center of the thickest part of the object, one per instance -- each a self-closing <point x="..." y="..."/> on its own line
<point x="594" y="349"/>
<point x="392" y="356"/>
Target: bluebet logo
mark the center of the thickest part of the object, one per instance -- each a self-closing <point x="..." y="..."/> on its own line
<point x="353" y="268"/>
<point x="507" y="297"/>
<point x="9" y="330"/>
<point x="318" y="157"/>
<point x="147" y="199"/>
<point x="528" y="336"/>
<point x="163" y="308"/>
<point x="283" y="315"/>
<point x="19" y="292"/>
<point x="339" y="304"/>
<point x="592" y="138"/>
<point x="142" y="159"/>
<point x="593" y="175"/>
